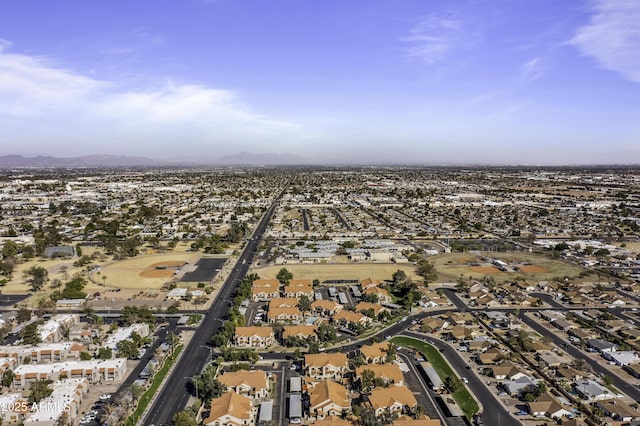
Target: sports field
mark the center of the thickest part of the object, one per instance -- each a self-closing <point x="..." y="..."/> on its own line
<point x="145" y="271"/>
<point x="359" y="271"/>
<point x="477" y="265"/>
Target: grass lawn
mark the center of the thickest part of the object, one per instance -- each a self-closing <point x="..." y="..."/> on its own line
<point x="157" y="381"/>
<point x="462" y="397"/>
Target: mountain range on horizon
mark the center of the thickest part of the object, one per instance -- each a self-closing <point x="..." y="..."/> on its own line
<point x="105" y="160"/>
<point x="19" y="161"/>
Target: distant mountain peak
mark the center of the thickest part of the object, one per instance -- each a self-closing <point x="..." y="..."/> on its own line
<point x="95" y="160"/>
<point x="109" y="160"/>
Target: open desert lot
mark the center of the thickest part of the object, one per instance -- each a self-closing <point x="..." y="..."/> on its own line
<point x="359" y="271"/>
<point x="531" y="266"/>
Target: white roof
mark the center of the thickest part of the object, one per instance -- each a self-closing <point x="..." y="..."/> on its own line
<point x="7" y="401"/>
<point x="92" y="364"/>
<point x="27" y="350"/>
<point x="54" y="323"/>
<point x="122" y="334"/>
<point x="52" y="407"/>
<point x="624" y="357"/>
<point x="177" y="292"/>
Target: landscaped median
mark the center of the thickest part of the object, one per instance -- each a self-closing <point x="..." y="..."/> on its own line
<point x="462" y="397"/>
<point x="158" y="378"/>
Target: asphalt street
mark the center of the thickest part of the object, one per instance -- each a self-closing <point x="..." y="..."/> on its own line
<point x="596" y="364"/>
<point x="173" y="396"/>
<point x="494" y="412"/>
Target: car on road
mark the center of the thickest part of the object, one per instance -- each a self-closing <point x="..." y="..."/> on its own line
<point x="465" y="380"/>
<point x="105" y="397"/>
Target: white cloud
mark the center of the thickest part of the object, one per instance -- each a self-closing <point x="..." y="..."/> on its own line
<point x="612" y="37"/>
<point x="41" y="100"/>
<point x="433" y="37"/>
<point x="4" y="45"/>
<point x="29" y="85"/>
<point x="533" y="69"/>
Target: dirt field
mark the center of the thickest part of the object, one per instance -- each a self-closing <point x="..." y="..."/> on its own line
<point x="631" y="246"/>
<point x="533" y="269"/>
<point x="61" y="269"/>
<point x="360" y="271"/>
<point x="163" y="270"/>
<point x="485" y="269"/>
<point x="157" y="273"/>
<point x="453" y="265"/>
<point x="140" y="272"/>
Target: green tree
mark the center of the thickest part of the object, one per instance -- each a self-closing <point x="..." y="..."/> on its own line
<point x="7" y="378"/>
<point x="85" y="356"/>
<point x="392" y="352"/>
<point x="7" y="267"/>
<point x="39" y="390"/>
<point x="174" y="307"/>
<point x="105" y="353"/>
<point x="304" y="304"/>
<point x="23" y="315"/>
<point x="399" y="276"/>
<point x="137" y="391"/>
<point x="284" y="276"/>
<point x="426" y="270"/>
<point x="36" y="277"/>
<point x="453" y="383"/>
<point x="9" y="250"/>
<point x="30" y="335"/>
<point x="208" y="386"/>
<point x="127" y="349"/>
<point x="134" y="314"/>
<point x="370" y="298"/>
<point x="73" y="289"/>
<point x="367" y="380"/>
<point x="327" y="333"/>
<point x="183" y="418"/>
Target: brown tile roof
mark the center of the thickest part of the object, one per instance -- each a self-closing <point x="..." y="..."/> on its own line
<point x="283" y="302"/>
<point x="232" y="404"/>
<point x="254" y="331"/>
<point x="266" y="283"/>
<point x="299" y="330"/>
<point x="328" y="391"/>
<point x="389" y="372"/>
<point x="349" y="316"/>
<point x="333" y="421"/>
<point x="326" y="305"/>
<point x="363" y="306"/>
<point x="322" y="359"/>
<point x="369" y="282"/>
<point x="386" y="397"/>
<point x="422" y="421"/>
<point x="375" y="350"/>
<point x="256" y="379"/>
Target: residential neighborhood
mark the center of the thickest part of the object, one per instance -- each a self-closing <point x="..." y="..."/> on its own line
<point x="365" y="297"/>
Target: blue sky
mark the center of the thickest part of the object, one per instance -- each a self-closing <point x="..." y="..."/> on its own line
<point x="349" y="81"/>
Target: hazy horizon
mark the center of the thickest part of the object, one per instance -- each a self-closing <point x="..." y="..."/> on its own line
<point x="495" y="82"/>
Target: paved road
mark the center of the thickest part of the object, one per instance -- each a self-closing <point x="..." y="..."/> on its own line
<point x="415" y="381"/>
<point x="174" y="397"/>
<point x="596" y="364"/>
<point x="494" y="413"/>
